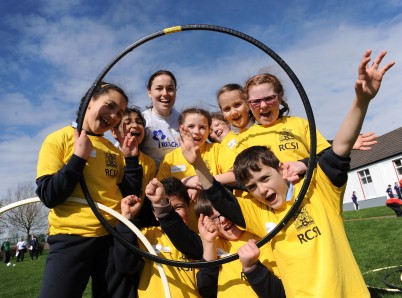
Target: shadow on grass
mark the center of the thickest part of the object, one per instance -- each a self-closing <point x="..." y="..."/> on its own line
<point x="380" y="293"/>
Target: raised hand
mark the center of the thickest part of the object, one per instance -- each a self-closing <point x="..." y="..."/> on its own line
<point x="130" y="206"/>
<point x="82" y="144"/>
<point x="293" y="170"/>
<point x="155" y="191"/>
<point x="129" y="147"/>
<point x="369" y="77"/>
<point x="365" y="141"/>
<point x="248" y="254"/>
<point x="191" y="151"/>
<point x="207" y="228"/>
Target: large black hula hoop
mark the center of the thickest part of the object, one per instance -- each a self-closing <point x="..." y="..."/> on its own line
<point x="385" y="280"/>
<point x="310" y="117"/>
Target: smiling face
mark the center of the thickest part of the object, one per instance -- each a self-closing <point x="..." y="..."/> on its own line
<point x="226" y="229"/>
<point x="268" y="186"/>
<point x="104" y="112"/>
<point x="219" y="129"/>
<point x="130" y="124"/>
<point x="267" y="112"/>
<point x="162" y="94"/>
<point x="180" y="207"/>
<point x="198" y="127"/>
<point x="234" y="108"/>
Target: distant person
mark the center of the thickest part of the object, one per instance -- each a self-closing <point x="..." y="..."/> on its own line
<point x="21" y="248"/>
<point x="389" y="191"/>
<point x="398" y="190"/>
<point x="354" y="200"/>
<point x="33" y="247"/>
<point x="5" y="248"/>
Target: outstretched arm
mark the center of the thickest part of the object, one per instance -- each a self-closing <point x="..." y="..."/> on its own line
<point x="366" y="88"/>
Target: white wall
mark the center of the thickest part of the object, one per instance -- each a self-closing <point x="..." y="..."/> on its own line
<point x="382" y="174"/>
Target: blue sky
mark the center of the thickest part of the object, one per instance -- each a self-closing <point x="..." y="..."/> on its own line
<point x="53" y="50"/>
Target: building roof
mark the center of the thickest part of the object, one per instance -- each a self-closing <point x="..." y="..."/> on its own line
<point x="389" y="144"/>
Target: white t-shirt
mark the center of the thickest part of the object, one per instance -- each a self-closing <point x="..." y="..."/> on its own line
<point x="161" y="134"/>
<point x="21" y="245"/>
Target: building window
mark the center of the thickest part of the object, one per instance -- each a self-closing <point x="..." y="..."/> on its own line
<point x="365" y="176"/>
<point x="398" y="166"/>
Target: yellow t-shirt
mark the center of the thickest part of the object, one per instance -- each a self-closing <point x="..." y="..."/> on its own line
<point x="149" y="171"/>
<point x="103" y="172"/>
<point x="182" y="281"/>
<point x="312" y="251"/>
<point x="288" y="138"/>
<point x="227" y="150"/>
<point x="175" y="165"/>
<point x="232" y="281"/>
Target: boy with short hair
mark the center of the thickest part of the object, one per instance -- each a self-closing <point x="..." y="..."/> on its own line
<point x="312" y="251"/>
<point x="168" y="192"/>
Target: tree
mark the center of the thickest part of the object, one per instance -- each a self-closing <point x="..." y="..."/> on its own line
<point x="26" y="218"/>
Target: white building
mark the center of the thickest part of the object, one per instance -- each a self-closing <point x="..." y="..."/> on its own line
<point x="371" y="171"/>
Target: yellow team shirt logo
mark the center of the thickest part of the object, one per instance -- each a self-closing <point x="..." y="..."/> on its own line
<point x="110" y="162"/>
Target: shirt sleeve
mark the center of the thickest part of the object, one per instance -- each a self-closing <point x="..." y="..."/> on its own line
<point x="264" y="282"/>
<point x="335" y="167"/>
<point x="207" y="281"/>
<point x="182" y="237"/>
<point x="55" y="189"/>
<point x="225" y="203"/>
<point x="132" y="179"/>
<point x="126" y="261"/>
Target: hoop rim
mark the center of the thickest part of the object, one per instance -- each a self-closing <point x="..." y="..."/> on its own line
<point x="310" y="117"/>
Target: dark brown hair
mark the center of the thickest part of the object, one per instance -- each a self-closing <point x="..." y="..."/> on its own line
<point x="203" y="205"/>
<point x="250" y="160"/>
<point x="159" y="73"/>
<point x="174" y="187"/>
<point x="100" y="89"/>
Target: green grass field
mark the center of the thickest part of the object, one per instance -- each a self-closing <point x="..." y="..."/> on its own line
<point x="375" y="235"/>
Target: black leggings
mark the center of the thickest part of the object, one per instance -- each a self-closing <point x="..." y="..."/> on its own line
<point x="72" y="260"/>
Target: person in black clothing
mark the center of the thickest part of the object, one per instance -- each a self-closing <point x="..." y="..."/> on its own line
<point x="398" y="190"/>
<point x="33" y="247"/>
<point x="389" y="191"/>
<point x="5" y="248"/>
<point x="354" y="200"/>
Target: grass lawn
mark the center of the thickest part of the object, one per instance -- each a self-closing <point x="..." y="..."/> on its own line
<point x="375" y="235"/>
